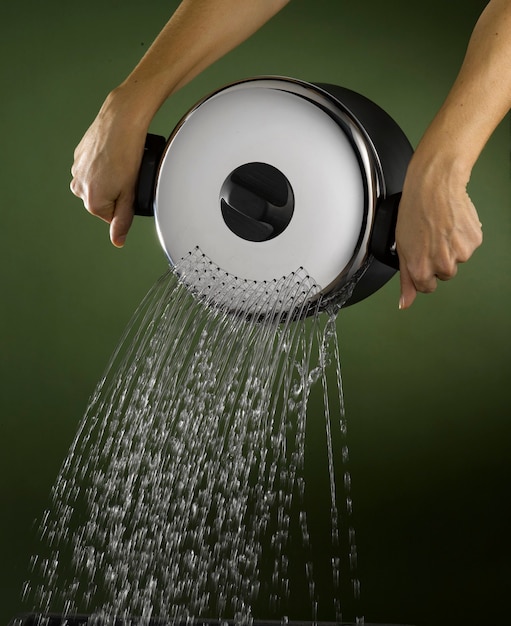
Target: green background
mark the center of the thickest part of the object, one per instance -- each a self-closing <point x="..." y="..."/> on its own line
<point x="427" y="390"/>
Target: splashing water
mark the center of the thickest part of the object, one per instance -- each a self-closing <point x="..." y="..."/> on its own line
<point x="187" y="485"/>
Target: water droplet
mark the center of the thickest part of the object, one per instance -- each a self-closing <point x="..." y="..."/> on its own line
<point x="188" y="456"/>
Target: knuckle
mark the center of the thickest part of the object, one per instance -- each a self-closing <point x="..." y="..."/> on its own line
<point x="95" y="210"/>
<point x="92" y="194"/>
<point x="92" y="207"/>
<point x="466" y="251"/>
<point x="98" y="206"/>
<point x="447" y="269"/>
<point x="427" y="287"/>
<point x="464" y="256"/>
<point x="424" y="281"/>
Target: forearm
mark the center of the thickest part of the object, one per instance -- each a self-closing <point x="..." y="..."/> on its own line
<point x="107" y="159"/>
<point x="480" y="96"/>
<point x="438" y="226"/>
<point x="199" y="33"/>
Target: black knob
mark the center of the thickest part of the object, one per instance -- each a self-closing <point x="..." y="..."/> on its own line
<point x="257" y="202"/>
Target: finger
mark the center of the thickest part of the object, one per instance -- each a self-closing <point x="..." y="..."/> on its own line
<point x="408" y="290"/>
<point x="102" y="208"/>
<point x="121" y="222"/>
<point x="75" y="188"/>
<point x="445" y="275"/>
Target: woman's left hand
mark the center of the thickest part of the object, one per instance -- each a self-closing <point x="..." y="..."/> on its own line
<point x="438" y="226"/>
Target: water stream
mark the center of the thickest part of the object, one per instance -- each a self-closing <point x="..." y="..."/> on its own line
<point x="189" y="490"/>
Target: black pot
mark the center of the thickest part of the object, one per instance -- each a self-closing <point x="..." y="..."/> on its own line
<point x="272" y="174"/>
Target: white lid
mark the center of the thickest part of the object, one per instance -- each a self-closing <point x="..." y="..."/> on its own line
<point x="258" y="121"/>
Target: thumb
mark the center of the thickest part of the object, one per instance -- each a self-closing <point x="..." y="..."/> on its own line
<point x="121" y="221"/>
<point x="408" y="290"/>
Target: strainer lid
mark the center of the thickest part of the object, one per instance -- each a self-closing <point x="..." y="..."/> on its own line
<point x="264" y="180"/>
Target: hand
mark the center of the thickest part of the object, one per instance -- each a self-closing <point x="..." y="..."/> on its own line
<point x="108" y="158"/>
<point x="106" y="165"/>
<point x="437" y="228"/>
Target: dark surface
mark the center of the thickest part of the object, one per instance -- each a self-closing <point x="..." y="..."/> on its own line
<point x="35" y="619"/>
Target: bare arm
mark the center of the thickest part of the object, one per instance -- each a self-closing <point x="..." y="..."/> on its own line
<point x="108" y="157"/>
<point x="438" y="226"/>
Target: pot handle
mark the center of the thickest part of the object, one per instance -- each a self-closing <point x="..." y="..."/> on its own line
<point x="383" y="236"/>
<point x="144" y="190"/>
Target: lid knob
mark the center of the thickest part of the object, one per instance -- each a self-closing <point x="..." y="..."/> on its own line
<point x="257" y="202"/>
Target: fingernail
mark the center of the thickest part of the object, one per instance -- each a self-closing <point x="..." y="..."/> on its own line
<point x="401" y="303"/>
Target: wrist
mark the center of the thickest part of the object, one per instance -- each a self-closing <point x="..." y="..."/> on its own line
<point x="436" y="168"/>
<point x="444" y="148"/>
<point x="134" y="103"/>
